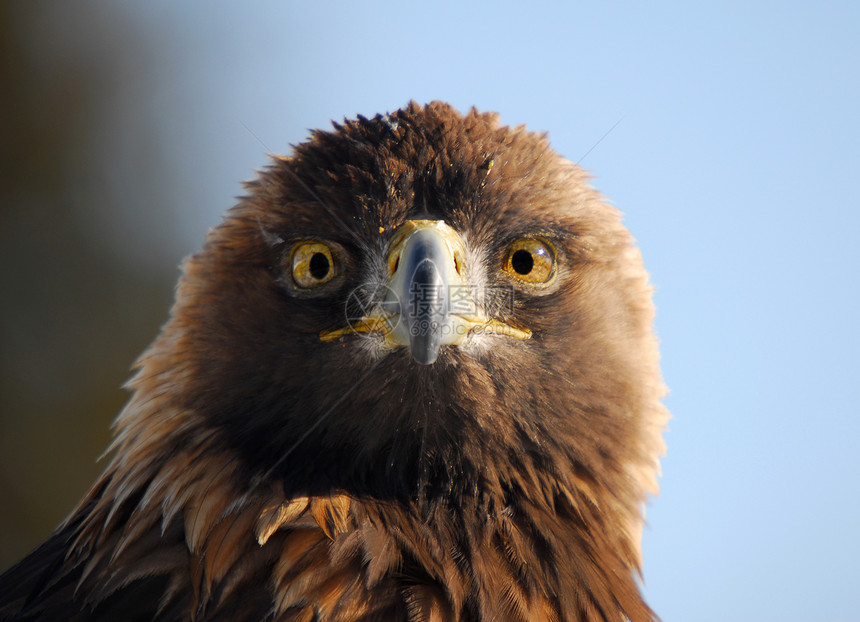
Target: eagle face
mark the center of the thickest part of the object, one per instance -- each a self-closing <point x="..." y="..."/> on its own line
<point x="434" y="327"/>
<point x="306" y="309"/>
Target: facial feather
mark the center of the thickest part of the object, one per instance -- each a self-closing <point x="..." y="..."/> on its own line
<point x="340" y="479"/>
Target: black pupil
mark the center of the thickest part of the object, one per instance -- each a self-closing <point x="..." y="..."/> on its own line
<point x="522" y="262"/>
<point x="319" y="266"/>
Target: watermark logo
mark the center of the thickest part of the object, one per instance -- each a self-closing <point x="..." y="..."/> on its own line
<point x="366" y="301"/>
<point x="426" y="304"/>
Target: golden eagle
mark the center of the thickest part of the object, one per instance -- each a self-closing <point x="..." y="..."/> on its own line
<point x="411" y="376"/>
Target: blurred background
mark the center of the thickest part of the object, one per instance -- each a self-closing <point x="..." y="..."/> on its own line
<point x="127" y="129"/>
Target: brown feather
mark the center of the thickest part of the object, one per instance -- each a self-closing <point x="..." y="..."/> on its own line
<point x="261" y="473"/>
<point x="276" y="515"/>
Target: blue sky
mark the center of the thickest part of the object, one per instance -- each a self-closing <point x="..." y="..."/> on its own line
<point x="735" y="162"/>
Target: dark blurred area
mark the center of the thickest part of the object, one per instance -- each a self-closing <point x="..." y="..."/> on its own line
<point x="87" y="251"/>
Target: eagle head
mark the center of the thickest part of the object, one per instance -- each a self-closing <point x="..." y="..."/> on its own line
<point x="412" y="372"/>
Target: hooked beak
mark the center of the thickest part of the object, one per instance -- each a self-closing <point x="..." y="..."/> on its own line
<point x="428" y="302"/>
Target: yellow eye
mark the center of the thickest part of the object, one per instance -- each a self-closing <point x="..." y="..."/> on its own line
<point x="531" y="260"/>
<point x="312" y="264"/>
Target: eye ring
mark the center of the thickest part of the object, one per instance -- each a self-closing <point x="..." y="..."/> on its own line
<point x="312" y="264"/>
<point x="531" y="260"/>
